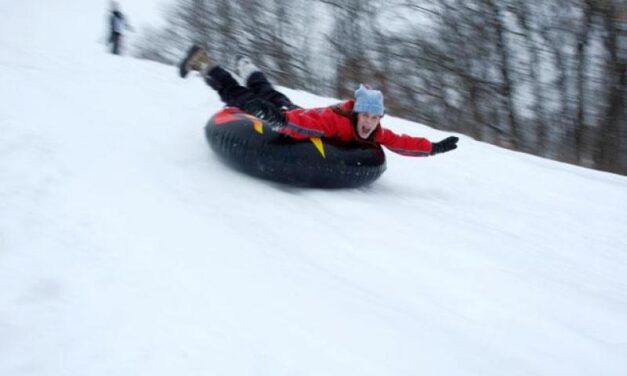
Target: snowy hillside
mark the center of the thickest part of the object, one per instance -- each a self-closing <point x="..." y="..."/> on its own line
<point x="128" y="248"/>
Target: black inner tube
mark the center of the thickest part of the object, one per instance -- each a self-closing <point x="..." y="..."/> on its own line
<point x="247" y="144"/>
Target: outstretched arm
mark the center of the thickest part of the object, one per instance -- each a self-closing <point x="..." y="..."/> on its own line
<point x="404" y="144"/>
<point x="414" y="146"/>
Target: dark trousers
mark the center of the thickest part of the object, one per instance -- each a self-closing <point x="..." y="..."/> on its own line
<point x="257" y="87"/>
<point x="116" y="41"/>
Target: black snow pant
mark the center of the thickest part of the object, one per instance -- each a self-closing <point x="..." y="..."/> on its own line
<point x="257" y="87"/>
<point x="116" y="41"/>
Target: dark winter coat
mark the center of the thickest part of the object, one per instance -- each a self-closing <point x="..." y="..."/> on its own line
<point x="117" y="22"/>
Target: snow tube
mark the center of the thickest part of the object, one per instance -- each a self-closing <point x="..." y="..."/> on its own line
<point x="247" y="144"/>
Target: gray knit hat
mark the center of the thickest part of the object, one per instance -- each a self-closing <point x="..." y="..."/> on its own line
<point x="369" y="100"/>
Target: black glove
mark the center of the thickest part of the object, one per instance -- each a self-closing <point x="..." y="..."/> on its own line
<point x="448" y="144"/>
<point x="265" y="111"/>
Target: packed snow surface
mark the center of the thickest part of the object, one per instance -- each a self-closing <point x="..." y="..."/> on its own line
<point x="128" y="248"/>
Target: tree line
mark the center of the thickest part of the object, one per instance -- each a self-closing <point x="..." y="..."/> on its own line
<point x="542" y="77"/>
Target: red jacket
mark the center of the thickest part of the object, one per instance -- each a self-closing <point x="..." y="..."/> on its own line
<point x="338" y="122"/>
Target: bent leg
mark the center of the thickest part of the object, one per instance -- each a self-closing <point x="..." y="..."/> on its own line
<point x="115" y="39"/>
<point x="231" y="92"/>
<point x="258" y="83"/>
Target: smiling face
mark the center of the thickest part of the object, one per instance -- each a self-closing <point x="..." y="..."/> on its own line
<point x="366" y="124"/>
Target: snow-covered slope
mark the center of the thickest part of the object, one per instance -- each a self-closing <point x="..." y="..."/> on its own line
<point x="127" y="248"/>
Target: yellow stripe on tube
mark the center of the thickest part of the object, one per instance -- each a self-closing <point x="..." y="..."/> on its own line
<point x="257" y="124"/>
<point x="319" y="145"/>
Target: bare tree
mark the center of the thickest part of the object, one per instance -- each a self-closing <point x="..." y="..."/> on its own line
<point x="351" y="41"/>
<point x="612" y="122"/>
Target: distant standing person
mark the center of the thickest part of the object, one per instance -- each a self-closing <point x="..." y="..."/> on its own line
<point x="118" y="24"/>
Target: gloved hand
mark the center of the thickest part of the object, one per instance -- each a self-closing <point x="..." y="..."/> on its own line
<point x="265" y="111"/>
<point x="448" y="144"/>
